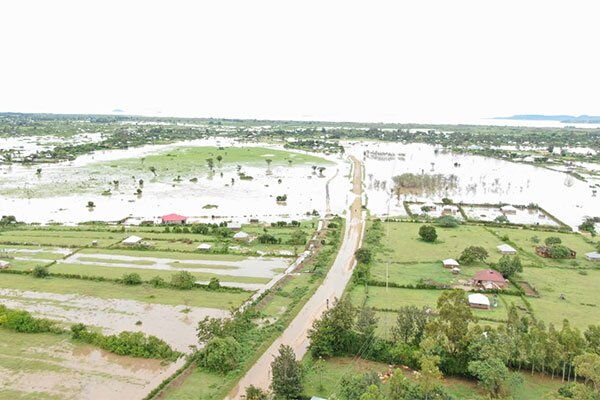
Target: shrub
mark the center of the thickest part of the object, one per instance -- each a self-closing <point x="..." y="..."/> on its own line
<point x="428" y="233"/>
<point x="508" y="266"/>
<point x="131" y="279"/>
<point x="157" y="282"/>
<point x="40" y="271"/>
<point x="214" y="284"/>
<point x="266" y="238"/>
<point x="22" y="321"/>
<point x="364" y="255"/>
<point x="552" y="240"/>
<point x="447" y="221"/>
<point x="183" y="280"/>
<point x="559" y="251"/>
<point x="221" y="354"/>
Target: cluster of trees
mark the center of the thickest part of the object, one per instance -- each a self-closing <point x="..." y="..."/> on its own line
<point x="589" y="225"/>
<point x="134" y="344"/>
<point x="180" y="280"/>
<point x="446" y="341"/>
<point x="22" y="321"/>
<point x="555" y="249"/>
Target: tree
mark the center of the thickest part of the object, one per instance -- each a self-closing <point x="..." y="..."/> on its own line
<point x="559" y="251"/>
<point x="428" y="233"/>
<point x="588" y="366"/>
<point x="364" y="255"/>
<point x="430" y="376"/>
<point x="447" y="221"/>
<point x="332" y="334"/>
<point x="287" y="375"/>
<point x="494" y="376"/>
<point x="183" y="280"/>
<point x="552" y="240"/>
<point x="372" y="393"/>
<point x="508" y="266"/>
<point x="366" y="323"/>
<point x="221" y="354"/>
<point x="90" y="204"/>
<point x="472" y="254"/>
<point x="592" y="337"/>
<point x="410" y="325"/>
<point x="219" y="159"/>
<point x="153" y="170"/>
<point x="321" y="169"/>
<point x="211" y="164"/>
<point x="352" y="387"/>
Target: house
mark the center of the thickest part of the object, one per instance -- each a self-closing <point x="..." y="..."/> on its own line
<point x="4" y="264"/>
<point x="490" y="279"/>
<point x="204" y="247"/>
<point x="173" y="219"/>
<point x="506" y="249"/>
<point x="450" y="263"/>
<point x="234" y="226"/>
<point x="242" y="236"/>
<point x="449" y="210"/>
<point x="593" y="256"/>
<point x="478" y="300"/>
<point x="508" y="210"/>
<point x="131" y="240"/>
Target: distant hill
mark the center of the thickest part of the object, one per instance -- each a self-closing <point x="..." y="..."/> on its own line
<point x="582" y="119"/>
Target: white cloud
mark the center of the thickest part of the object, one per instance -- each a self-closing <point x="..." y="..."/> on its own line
<point x="369" y="60"/>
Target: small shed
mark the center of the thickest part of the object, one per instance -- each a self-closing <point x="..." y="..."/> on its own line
<point x="478" y="300"/>
<point x="508" y="209"/>
<point x="4" y="264"/>
<point x="173" y="219"/>
<point x="131" y="240"/>
<point x="506" y="249"/>
<point x="242" y="236"/>
<point x="456" y="270"/>
<point x="593" y="256"/>
<point x="204" y="247"/>
<point x="450" y="263"/>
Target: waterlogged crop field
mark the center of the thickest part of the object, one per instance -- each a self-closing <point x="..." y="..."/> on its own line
<point x="86" y="266"/>
<point x="404" y="261"/>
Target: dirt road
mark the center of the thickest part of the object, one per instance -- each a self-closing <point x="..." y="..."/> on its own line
<point x="333" y="286"/>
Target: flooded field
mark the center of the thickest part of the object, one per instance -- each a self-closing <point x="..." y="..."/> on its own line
<point x="479" y="180"/>
<point x="46" y="366"/>
<point x="62" y="191"/>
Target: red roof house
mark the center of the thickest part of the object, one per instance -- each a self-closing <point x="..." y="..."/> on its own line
<point x="173" y="219"/>
<point x="490" y="279"/>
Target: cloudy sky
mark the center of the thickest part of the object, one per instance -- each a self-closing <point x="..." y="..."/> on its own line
<point x="404" y="61"/>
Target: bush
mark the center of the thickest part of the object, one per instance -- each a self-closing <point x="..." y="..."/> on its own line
<point x="131" y="279"/>
<point x="364" y="255"/>
<point x="40" y="272"/>
<point x="157" y="282"/>
<point x="183" y="280"/>
<point x="266" y="238"/>
<point x="214" y="284"/>
<point x="508" y="266"/>
<point x="447" y="221"/>
<point x="22" y="321"/>
<point x="552" y="240"/>
<point x="559" y="251"/>
<point x="428" y="233"/>
<point x="134" y="344"/>
<point x="221" y="354"/>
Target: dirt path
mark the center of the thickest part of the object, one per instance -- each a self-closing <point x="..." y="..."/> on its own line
<point x="333" y="286"/>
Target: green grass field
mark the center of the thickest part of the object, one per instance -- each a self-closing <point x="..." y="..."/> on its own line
<point x="413" y="273"/>
<point x="145" y="274"/>
<point x="108" y="290"/>
<point x="64" y="238"/>
<point x="403" y="244"/>
<point x="185" y="160"/>
<point x="164" y="254"/>
<point x="582" y="301"/>
<point x="523" y="239"/>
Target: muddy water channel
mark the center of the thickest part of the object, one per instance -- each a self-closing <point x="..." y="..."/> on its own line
<point x="477" y="180"/>
<point x="176" y="325"/>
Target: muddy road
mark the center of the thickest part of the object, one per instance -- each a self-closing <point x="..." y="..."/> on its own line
<point x="333" y="286"/>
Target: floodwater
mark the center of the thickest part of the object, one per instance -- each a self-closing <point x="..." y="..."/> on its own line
<point x="480" y="180"/>
<point x="251" y="266"/>
<point x="175" y="325"/>
<point x="61" y="192"/>
<point x="83" y="372"/>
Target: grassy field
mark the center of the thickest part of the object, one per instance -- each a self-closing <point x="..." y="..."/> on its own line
<point x="523" y="239"/>
<point x="325" y="382"/>
<point x="413" y="273"/>
<point x="108" y="290"/>
<point x="64" y="238"/>
<point x="145" y="274"/>
<point x="403" y="243"/>
<point x="582" y="302"/>
<point x="185" y="160"/>
<point x="164" y="254"/>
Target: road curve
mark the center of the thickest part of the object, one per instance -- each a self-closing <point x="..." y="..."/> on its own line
<point x="295" y="335"/>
